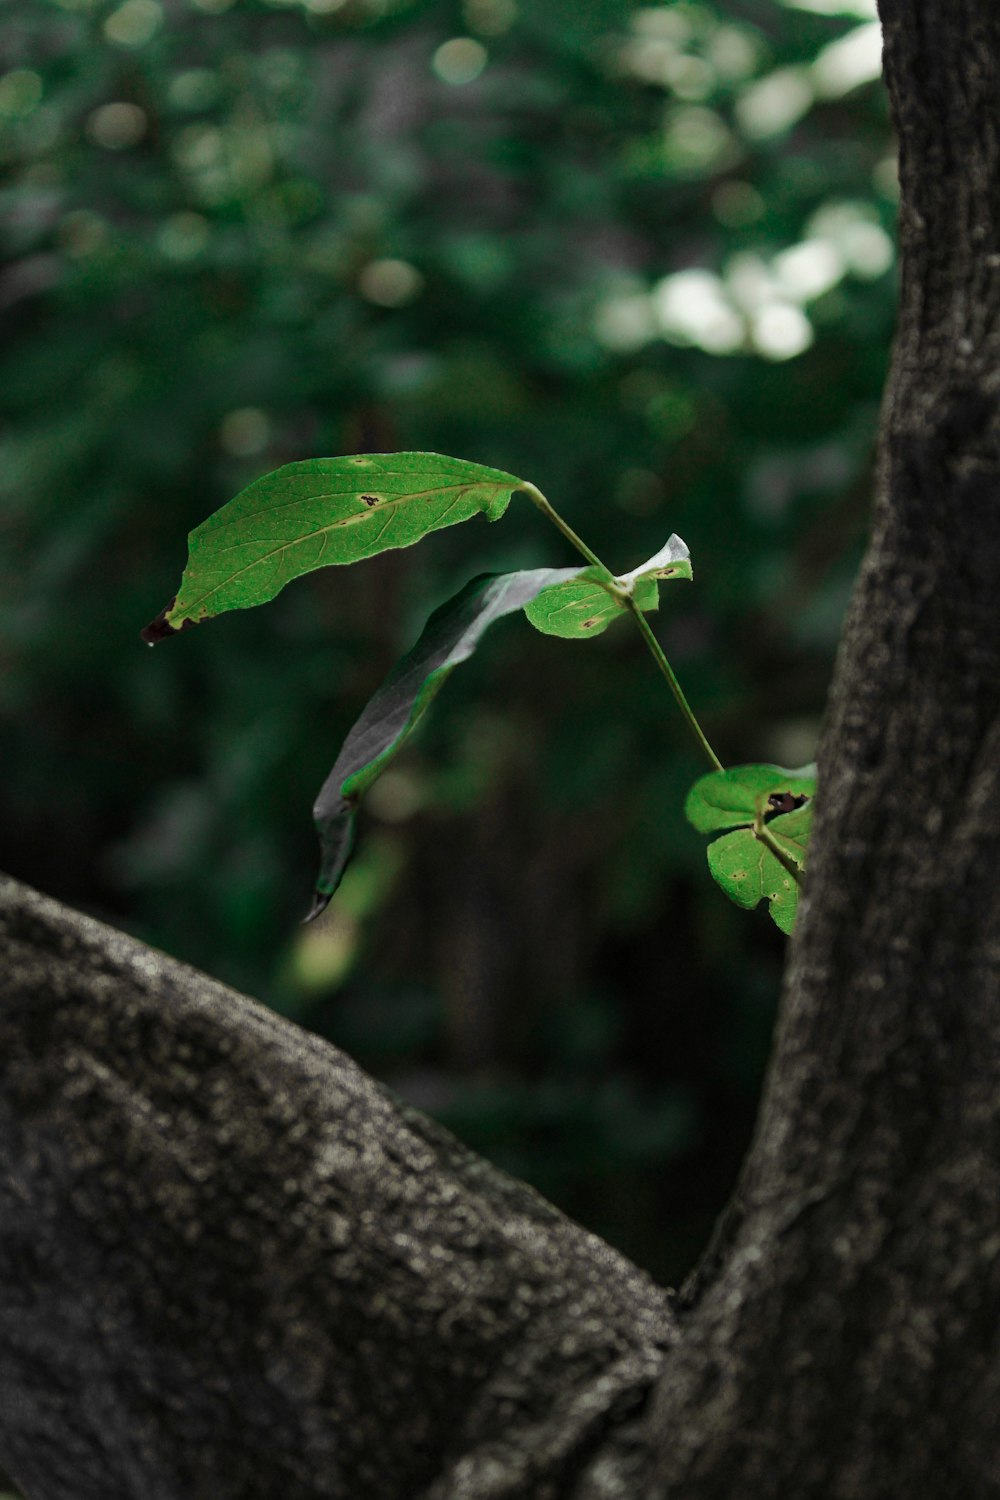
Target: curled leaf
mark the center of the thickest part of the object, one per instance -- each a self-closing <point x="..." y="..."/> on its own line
<point x="449" y="637"/>
<point x="672" y="561"/>
<point x="585" y="605"/>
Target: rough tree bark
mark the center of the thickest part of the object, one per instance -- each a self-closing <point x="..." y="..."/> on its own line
<point x="843" y="1337"/>
<point x="233" y="1266"/>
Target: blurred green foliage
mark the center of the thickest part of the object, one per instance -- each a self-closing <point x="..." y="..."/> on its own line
<point x="640" y="255"/>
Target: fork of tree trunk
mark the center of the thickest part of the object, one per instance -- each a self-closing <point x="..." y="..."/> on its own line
<point x="233" y="1267"/>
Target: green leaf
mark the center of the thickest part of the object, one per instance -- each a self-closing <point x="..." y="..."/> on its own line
<point x="449" y="637"/>
<point x="749" y="801"/>
<point x="729" y="799"/>
<point x="322" y="511"/>
<point x="584" y="605"/>
<point x="749" y="873"/>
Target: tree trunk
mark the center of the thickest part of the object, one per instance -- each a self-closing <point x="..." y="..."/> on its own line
<point x="232" y="1266"/>
<point x="842" y="1339"/>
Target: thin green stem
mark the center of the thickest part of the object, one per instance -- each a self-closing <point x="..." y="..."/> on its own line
<point x="538" y="499"/>
<point x="656" y="651"/>
<point x="624" y="593"/>
<point x="767" y="838"/>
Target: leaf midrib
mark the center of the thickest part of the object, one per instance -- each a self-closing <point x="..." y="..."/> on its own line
<point x="390" y="505"/>
<point x="434" y="489"/>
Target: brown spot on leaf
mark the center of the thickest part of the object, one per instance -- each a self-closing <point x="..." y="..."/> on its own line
<point x="370" y="499"/>
<point x="589" y="624"/>
<point x="159" y="629"/>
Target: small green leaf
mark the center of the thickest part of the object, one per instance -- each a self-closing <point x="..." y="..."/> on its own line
<point x="584" y="605"/>
<point x="729" y="799"/>
<point x="749" y="873"/>
<point x="322" y="511"/>
<point x="747" y="800"/>
<point x="449" y="637"/>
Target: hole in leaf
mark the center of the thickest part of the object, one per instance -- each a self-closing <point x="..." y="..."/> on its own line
<point x="784" y="802"/>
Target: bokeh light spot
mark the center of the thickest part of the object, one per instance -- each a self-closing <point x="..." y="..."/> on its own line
<point x="849" y="62"/>
<point x="781" y="331"/>
<point x="490" y="17"/>
<point x="390" y="283"/>
<point x="693" y="308"/>
<point x="195" y="88"/>
<point x="625" y="322"/>
<point x="134" y="24"/>
<point x="245" y="432"/>
<point x="20" y="93"/>
<point x="460" y="61"/>
<point x="774" y="103"/>
<point x="809" y="269"/>
<point x="117" y="126"/>
<point x="183" y="236"/>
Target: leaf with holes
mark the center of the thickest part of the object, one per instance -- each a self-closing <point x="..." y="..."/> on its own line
<point x="449" y="637"/>
<point x="321" y="511"/>
<point x="734" y="798"/>
<point x="749" y="873"/>
<point x="756" y="804"/>
<point x="585" y="606"/>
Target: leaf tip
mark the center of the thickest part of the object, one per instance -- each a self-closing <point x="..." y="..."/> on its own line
<point x="321" y="900"/>
<point x="161" y="629"/>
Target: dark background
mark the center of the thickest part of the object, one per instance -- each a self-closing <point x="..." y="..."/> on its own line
<point x="237" y="234"/>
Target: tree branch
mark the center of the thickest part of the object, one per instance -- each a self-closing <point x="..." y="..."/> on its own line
<point x="232" y="1265"/>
